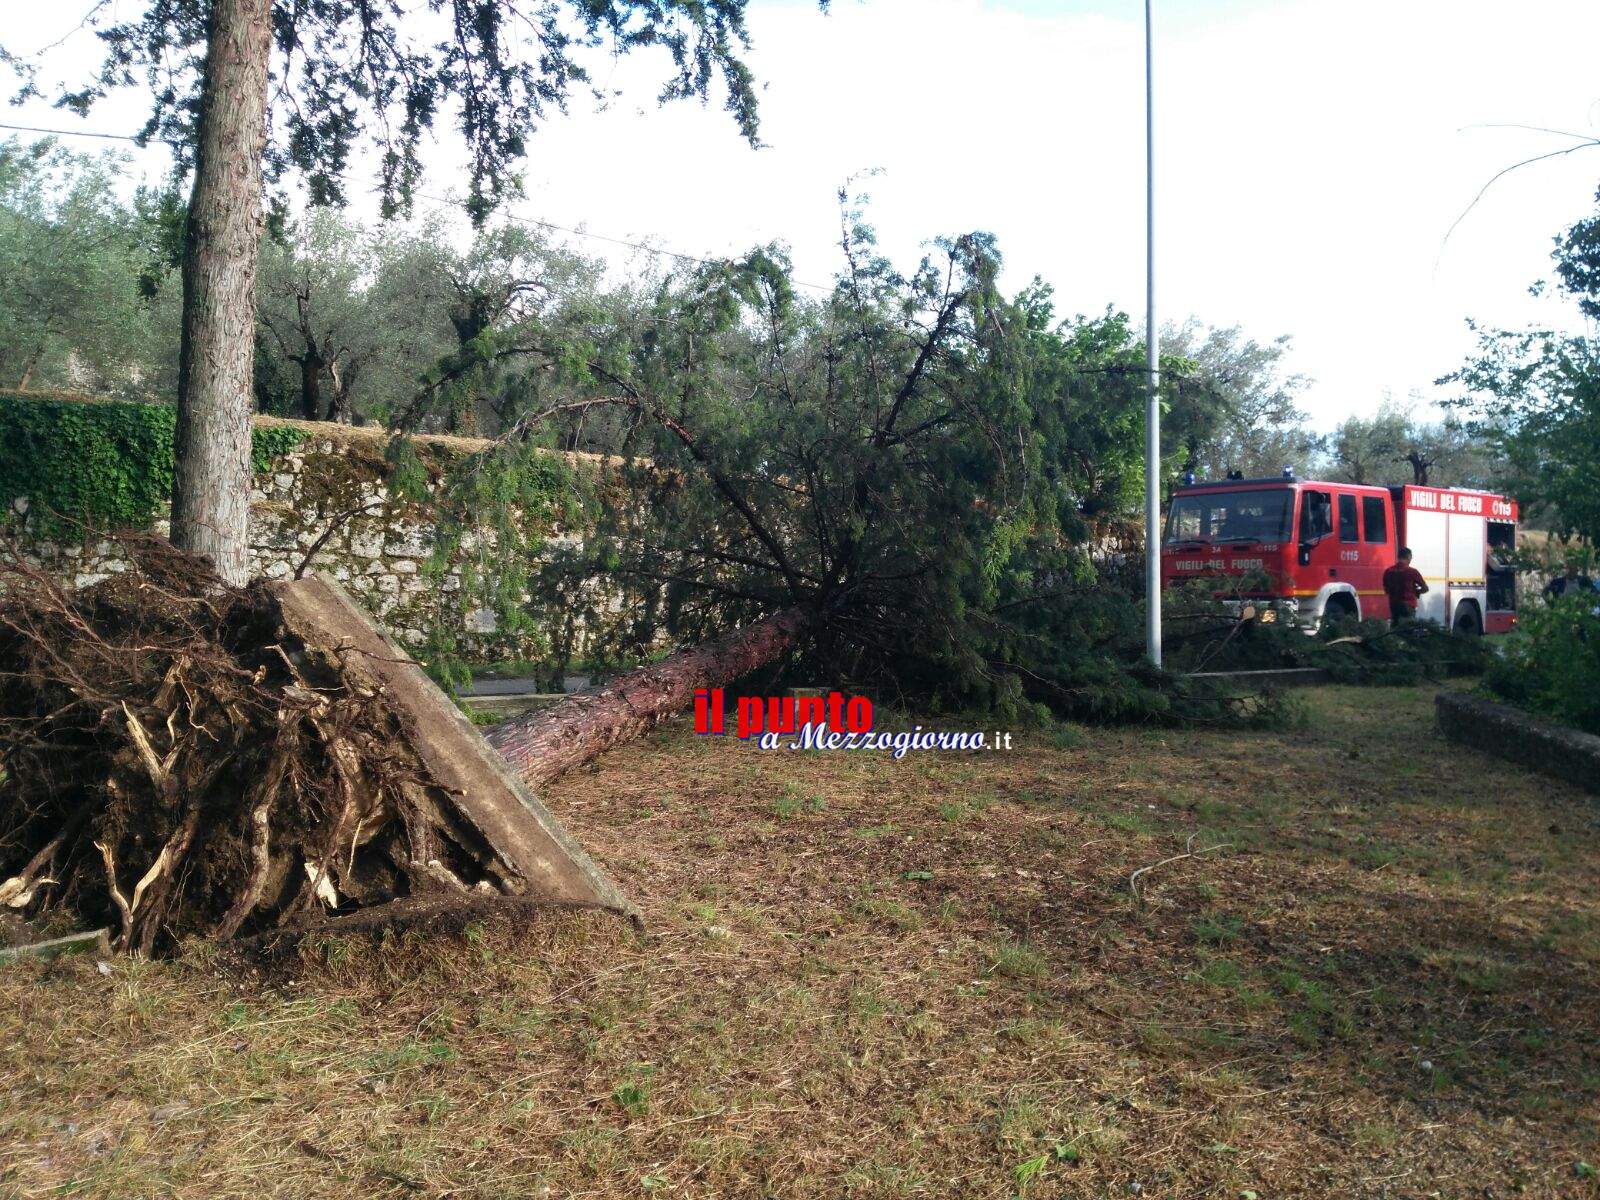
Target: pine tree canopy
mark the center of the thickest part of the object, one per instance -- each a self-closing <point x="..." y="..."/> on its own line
<point x="926" y="464"/>
<point x="381" y="72"/>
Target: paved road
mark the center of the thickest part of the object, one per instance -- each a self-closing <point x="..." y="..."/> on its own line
<point x="519" y="687"/>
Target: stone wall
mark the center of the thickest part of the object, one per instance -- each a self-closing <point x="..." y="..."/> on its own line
<point x="330" y="498"/>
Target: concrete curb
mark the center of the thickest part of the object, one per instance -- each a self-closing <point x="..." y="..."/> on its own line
<point x="1512" y="734"/>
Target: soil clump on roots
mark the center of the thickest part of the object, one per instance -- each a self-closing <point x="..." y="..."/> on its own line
<point x="178" y="760"/>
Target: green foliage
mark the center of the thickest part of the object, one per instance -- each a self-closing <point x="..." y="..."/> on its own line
<point x="493" y="511"/>
<point x="1014" y="960"/>
<point x="315" y="325"/>
<point x="348" y="71"/>
<point x="1217" y="929"/>
<point x="1408" y="655"/>
<point x="103" y="466"/>
<point x="1577" y="256"/>
<point x="633" y="1097"/>
<point x="1393" y="446"/>
<point x="953" y="528"/>
<point x="916" y="460"/>
<point x="1550" y="664"/>
<point x="475" y="316"/>
<point x="1366" y="652"/>
<point x="1234" y="407"/>
<point x="405" y="327"/>
<point x="80" y="288"/>
<point x="1533" y="396"/>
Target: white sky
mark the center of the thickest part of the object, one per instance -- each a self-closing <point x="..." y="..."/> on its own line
<point x="1312" y="155"/>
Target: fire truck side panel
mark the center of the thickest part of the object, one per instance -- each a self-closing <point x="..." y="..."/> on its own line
<point x="1327" y="555"/>
<point x="1448" y="532"/>
<point x="1469" y="549"/>
<point x="1427" y="533"/>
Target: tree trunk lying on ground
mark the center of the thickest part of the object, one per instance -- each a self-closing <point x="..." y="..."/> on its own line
<point x="541" y="745"/>
<point x="179" y="757"/>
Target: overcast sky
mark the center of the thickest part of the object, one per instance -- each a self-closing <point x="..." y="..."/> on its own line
<point x="1312" y="155"/>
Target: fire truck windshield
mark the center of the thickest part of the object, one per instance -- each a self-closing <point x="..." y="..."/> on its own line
<point x="1263" y="515"/>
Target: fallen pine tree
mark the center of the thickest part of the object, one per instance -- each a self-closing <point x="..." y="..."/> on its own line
<point x="542" y="745"/>
<point x="897" y="489"/>
<point x="1204" y="636"/>
<point x="179" y="757"/>
<point x="891" y="489"/>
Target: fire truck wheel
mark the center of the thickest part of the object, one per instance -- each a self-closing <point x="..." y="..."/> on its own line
<point x="1338" y="608"/>
<point x="1467" y="623"/>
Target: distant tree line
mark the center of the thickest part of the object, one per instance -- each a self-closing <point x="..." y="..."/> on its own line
<point x="422" y="325"/>
<point x="898" y="479"/>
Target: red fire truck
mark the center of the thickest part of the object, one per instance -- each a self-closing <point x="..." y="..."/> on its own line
<point x="1304" y="550"/>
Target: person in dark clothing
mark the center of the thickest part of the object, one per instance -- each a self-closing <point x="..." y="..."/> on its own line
<point x="1568" y="583"/>
<point x="1403" y="583"/>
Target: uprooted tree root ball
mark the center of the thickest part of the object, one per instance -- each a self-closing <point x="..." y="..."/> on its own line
<point x="173" y="762"/>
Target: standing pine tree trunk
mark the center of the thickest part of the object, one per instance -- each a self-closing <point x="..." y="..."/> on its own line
<point x="28" y="367"/>
<point x="211" y="484"/>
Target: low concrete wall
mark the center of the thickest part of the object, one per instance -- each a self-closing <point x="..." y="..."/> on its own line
<point x="1512" y="734"/>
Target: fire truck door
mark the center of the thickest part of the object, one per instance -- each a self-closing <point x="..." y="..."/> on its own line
<point x="1319" y="545"/>
<point x="1355" y="559"/>
<point x="1377" y="552"/>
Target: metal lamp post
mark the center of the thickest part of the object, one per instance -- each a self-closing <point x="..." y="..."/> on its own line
<point x="1152" y="420"/>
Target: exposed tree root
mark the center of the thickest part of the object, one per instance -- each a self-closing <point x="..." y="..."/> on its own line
<point x="173" y="762"/>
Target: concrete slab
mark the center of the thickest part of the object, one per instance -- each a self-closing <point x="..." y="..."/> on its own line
<point x="94" y="942"/>
<point x="544" y="861"/>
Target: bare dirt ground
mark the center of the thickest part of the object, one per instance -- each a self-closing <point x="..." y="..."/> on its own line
<point x="871" y="978"/>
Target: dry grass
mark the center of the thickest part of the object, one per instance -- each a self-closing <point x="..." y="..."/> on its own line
<point x="926" y="978"/>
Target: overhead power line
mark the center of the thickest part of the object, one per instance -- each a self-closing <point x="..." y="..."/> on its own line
<point x="116" y="137"/>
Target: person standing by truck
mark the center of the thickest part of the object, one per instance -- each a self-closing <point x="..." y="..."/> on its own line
<point x="1403" y="583"/>
<point x="1570" y="582"/>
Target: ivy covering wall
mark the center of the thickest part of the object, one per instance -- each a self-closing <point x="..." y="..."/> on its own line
<point x="102" y="465"/>
<point x="461" y="565"/>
